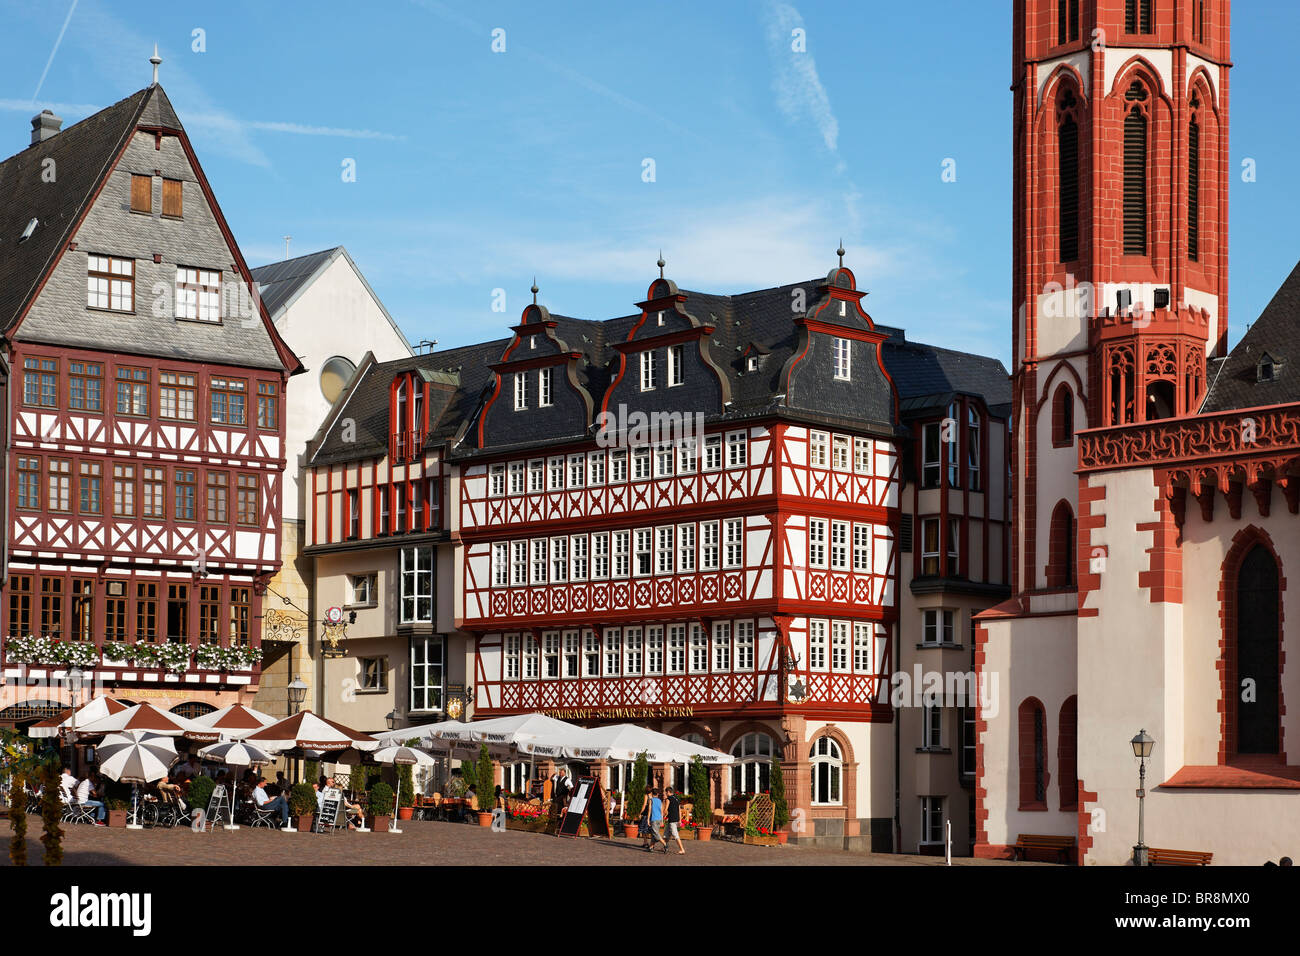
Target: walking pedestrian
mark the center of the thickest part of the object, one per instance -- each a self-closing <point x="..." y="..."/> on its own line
<point x="674" y="816"/>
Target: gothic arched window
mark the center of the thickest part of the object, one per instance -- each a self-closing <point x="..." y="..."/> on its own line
<point x="1060" y="547"/>
<point x="1257" y="654"/>
<point x="1135" y="171"/>
<point x="1067" y="162"/>
<point x="1062" y="416"/>
<point x="1033" y="755"/>
<point x="1193" y="181"/>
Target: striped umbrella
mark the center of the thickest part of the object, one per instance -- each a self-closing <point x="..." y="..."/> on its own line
<point x="235" y="753"/>
<point x="136" y="757"/>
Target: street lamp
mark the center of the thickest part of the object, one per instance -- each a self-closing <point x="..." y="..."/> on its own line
<point x="1142" y="745"/>
<point x="391" y="718"/>
<point x="75" y="678"/>
<point x="297" y="694"/>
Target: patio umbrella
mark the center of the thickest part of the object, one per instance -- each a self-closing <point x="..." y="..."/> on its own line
<point x="626" y="741"/>
<point x="136" y="757"/>
<point x="310" y="732"/>
<point x="235" y="753"/>
<point x="149" y="718"/>
<point x="235" y="721"/>
<point x="93" y="710"/>
<point x="401" y="756"/>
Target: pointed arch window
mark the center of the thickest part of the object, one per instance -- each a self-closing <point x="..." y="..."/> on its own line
<point x="1257" y="654"/>
<point x="1033" y="755"/>
<point x="1068" y="177"/>
<point x="1060" y="547"/>
<point x="1194" y="181"/>
<point x="1135" y="171"/>
<point x="1062" y="417"/>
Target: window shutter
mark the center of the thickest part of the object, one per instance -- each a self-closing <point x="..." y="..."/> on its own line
<point x="905" y="534"/>
<point x="1193" y="188"/>
<point x="1135" y="184"/>
<point x="141" y="193"/>
<point x="1068" y="168"/>
<point x="171" y="198"/>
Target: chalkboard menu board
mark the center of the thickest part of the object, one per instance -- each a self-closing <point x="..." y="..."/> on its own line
<point x="588" y="801"/>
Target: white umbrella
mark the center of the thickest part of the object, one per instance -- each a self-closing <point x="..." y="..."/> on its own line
<point x="235" y="721"/>
<point x="401" y="756"/>
<point x="91" y="711"/>
<point x="627" y="741"/>
<point x="136" y="757"/>
<point x="422" y="732"/>
<point x="147" y="717"/>
<point x="235" y="753"/>
<point x="309" y="732"/>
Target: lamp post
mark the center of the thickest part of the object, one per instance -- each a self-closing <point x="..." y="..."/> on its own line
<point x="297" y="694"/>
<point x="75" y="678"/>
<point x="391" y="719"/>
<point x="1142" y="745"/>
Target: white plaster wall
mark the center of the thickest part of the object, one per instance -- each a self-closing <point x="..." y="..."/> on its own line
<point x="1162" y="61"/>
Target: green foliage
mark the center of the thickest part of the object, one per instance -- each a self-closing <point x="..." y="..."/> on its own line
<point x="51" y="813"/>
<point x="636" y="787"/>
<point x="117" y="803"/>
<point x="702" y="806"/>
<point x="18" y="820"/>
<point x="311" y="771"/>
<point x="201" y="788"/>
<point x="782" y="814"/>
<point x="470" y="772"/>
<point x="302" y="799"/>
<point x="484" y="779"/>
<point x="357" y="778"/>
<point x="381" y="800"/>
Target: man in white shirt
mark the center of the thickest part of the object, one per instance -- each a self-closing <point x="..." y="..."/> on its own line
<point x="266" y="803"/>
<point x="83" y="797"/>
<point x="67" y="783"/>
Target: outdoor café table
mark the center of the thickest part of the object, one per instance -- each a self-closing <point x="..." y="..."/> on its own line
<point x="453" y="805"/>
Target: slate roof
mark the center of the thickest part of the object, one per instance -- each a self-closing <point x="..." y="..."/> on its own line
<point x="759" y="321"/>
<point x="279" y="282"/>
<point x="1234" y="381"/>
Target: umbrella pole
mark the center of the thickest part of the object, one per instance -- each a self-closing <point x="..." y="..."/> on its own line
<point x="135" y="808"/>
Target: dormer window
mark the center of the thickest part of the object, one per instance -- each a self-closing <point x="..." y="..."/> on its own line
<point x="543" y="388"/>
<point x="521" y="391"/>
<point x="676" y="353"/>
<point x="843" y="360"/>
<point x="661" y="319"/>
<point x="751" y="364"/>
<point x="1267" y="369"/>
<point x="647" y="371"/>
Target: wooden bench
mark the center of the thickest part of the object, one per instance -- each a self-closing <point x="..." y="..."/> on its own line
<point x="1061" y="845"/>
<point x="1158" y="857"/>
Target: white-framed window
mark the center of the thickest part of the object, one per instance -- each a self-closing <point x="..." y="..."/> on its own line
<point x="641" y="552"/>
<point x="840" y="452"/>
<point x="596" y="468"/>
<point x="577" y="470"/>
<point x="613" y="651"/>
<point x="361" y="590"/>
<point x="843" y="360"/>
<point x="973" y="448"/>
<point x="518" y="563"/>
<point x="664" y="550"/>
<point x="699" y="662"/>
<point x="817" y="645"/>
<point x="198" y="294"/>
<point x="862" y="456"/>
<point x="817" y="542"/>
<point x="840" y="646"/>
<point x="555" y="474"/>
<point x="618" y="466"/>
<point x="536" y="476"/>
<point x="827" y="765"/>
<point x="930" y="445"/>
<point x="517" y="471"/>
<point x="733" y="554"/>
<point x="521" y="391"/>
<point x="721" y="646"/>
<point x="559" y="560"/>
<point x="686" y="548"/>
<point x="590" y="654"/>
<point x="664" y="461"/>
<point x="938" y="627"/>
<point x="751" y="771"/>
<point x="709" y="552"/>
<point x="954" y="546"/>
<point x="110" y="283"/>
<point x="744" y="645"/>
<point x="819" y="444"/>
<point x="622" y="553"/>
<point x="543" y="388"/>
<point x="712" y="452"/>
<point x="496" y="481"/>
<point x="861" y="548"/>
<point x="572" y="653"/>
<point x="839" y="545"/>
<point x="417" y="585"/>
<point x="932" y="820"/>
<point x="737" y="449"/>
<point x="929" y="546"/>
<point x="647" y="370"/>
<point x="578" y="557"/>
<point x="931" y="728"/>
<point x="641" y="464"/>
<point x="687" y="455"/>
<point x="550" y="654"/>
<point x="677" y="648"/>
<point x="953" y="424"/>
<point x="600" y="556"/>
<point x="428" y="655"/>
<point x="632" y="651"/>
<point x="654" y="649"/>
<point x="512" y="656"/>
<point x="539" y="560"/>
<point x="862" y="648"/>
<point x="501" y="564"/>
<point x="530" y="657"/>
<point x="676" y="371"/>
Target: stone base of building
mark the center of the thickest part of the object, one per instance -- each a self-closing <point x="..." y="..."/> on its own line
<point x="872" y="836"/>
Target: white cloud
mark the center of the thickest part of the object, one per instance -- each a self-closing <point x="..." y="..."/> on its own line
<point x="799" y="90"/>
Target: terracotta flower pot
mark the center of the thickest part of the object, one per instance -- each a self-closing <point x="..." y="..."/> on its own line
<point x="117" y="818"/>
<point x="782" y="836"/>
<point x="485" y="819"/>
<point x="380" y="824"/>
<point x="303" y="823"/>
<point x="630" y="830"/>
<point x="404" y="813"/>
<point x="704" y="834"/>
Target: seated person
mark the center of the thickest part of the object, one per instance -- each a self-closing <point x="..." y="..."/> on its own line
<point x="264" y="802"/>
<point x="67" y="783"/>
<point x="85" y="798"/>
<point x="456" y="786"/>
<point x="356" y="816"/>
<point x="470" y="807"/>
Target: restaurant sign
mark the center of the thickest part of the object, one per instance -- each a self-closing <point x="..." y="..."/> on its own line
<point x="619" y="713"/>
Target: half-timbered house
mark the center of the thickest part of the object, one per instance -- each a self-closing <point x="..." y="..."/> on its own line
<point x="146" y="427"/>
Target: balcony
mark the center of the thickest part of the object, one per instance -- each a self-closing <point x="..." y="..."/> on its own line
<point x="406" y="445"/>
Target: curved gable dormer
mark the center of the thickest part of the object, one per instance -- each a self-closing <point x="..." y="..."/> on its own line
<point x="408" y="415"/>
<point x="836" y="367"/>
<point x="537" y="392"/>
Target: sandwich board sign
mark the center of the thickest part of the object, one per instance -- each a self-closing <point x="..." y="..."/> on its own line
<point x="588" y="801"/>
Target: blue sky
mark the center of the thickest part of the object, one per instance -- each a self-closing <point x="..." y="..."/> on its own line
<point x="475" y="169"/>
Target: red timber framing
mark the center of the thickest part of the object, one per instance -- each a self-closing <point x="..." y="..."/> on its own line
<point x="747" y="603"/>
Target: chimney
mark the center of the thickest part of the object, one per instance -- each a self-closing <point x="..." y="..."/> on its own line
<point x="44" y="126"/>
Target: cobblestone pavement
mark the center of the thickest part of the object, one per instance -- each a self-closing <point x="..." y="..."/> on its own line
<point x="420" y="843"/>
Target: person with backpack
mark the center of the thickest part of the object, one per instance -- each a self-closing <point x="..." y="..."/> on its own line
<point x="656" y="822"/>
<point x="674" y="816"/>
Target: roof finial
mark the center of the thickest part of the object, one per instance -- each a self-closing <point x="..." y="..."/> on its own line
<point x="840" y="252"/>
<point x="155" y="60"/>
<point x="534" y="290"/>
<point x="661" y="263"/>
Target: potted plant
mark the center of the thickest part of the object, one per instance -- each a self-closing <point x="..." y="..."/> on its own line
<point x="405" y="790"/>
<point x="302" y="806"/>
<point x="117" y="811"/>
<point x="781" y="810"/>
<point x="200" y="794"/>
<point x="635" y="796"/>
<point x="381" y="807"/>
<point x="701" y="804"/>
<point x="483" y="778"/>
